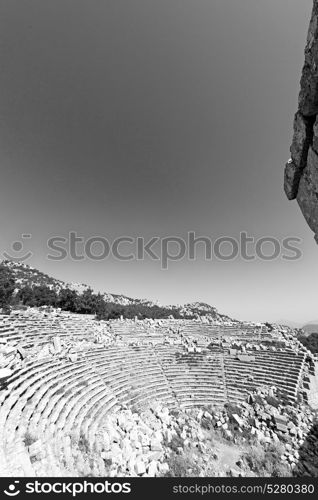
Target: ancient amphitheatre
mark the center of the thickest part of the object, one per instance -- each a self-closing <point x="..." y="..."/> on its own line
<point x="198" y="396"/>
<point x="131" y="397"/>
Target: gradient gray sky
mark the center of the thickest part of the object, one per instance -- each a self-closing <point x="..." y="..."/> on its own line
<point x="140" y="117"/>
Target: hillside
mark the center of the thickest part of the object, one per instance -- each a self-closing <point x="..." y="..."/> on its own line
<point x="28" y="279"/>
<point x="26" y="275"/>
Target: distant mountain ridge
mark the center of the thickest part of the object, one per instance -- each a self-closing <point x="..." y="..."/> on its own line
<point x="311" y="328"/>
<point x="26" y="275"/>
<point x="291" y="324"/>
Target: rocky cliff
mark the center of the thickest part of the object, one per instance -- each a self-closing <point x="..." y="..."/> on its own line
<point x="301" y="171"/>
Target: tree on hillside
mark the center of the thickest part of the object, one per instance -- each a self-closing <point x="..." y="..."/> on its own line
<point x="99" y="303"/>
<point x="87" y="302"/>
<point x="7" y="286"/>
<point x="68" y="300"/>
<point x="37" y="296"/>
<point x="26" y="296"/>
<point x="45" y="296"/>
<point x="110" y="310"/>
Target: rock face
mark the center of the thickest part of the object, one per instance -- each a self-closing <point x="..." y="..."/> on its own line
<point x="301" y="171"/>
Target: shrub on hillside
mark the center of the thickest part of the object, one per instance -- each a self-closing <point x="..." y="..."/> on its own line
<point x="37" y="296"/>
<point x="83" y="444"/>
<point x="182" y="466"/>
<point x="7" y="286"/>
<point x="267" y="462"/>
<point x="29" y="438"/>
<point x="273" y="401"/>
<point x="110" y="310"/>
<point x="311" y="342"/>
<point x="175" y="444"/>
<point x="232" y="409"/>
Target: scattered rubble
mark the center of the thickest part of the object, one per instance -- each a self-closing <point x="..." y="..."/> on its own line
<point x="149" y="443"/>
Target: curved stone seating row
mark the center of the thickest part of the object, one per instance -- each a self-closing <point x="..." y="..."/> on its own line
<point x="47" y="401"/>
<point x="189" y="328"/>
<point x="280" y="369"/>
<point x="53" y="397"/>
<point x="8" y="333"/>
<point x="36" y="328"/>
<point x="42" y="338"/>
<point x="245" y="332"/>
<point x="148" y="372"/>
<point x="133" y="374"/>
<point x="13" y="401"/>
<point x="30" y="331"/>
<point x="140" y="328"/>
<point x="195" y="378"/>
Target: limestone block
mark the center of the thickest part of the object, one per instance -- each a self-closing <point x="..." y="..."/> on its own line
<point x="5" y="373"/>
<point x="163" y="468"/>
<point x="57" y="344"/>
<point x="238" y="420"/>
<point x="155" y="445"/>
<point x="152" y="468"/>
<point x="140" y="467"/>
<point x="35" y="449"/>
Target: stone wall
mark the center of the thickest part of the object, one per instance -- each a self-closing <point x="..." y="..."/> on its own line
<point x="301" y="171"/>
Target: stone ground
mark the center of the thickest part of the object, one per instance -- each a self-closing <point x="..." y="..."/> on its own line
<point x="228" y="456"/>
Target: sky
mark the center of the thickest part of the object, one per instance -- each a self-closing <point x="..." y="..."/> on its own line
<point x="139" y="118"/>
